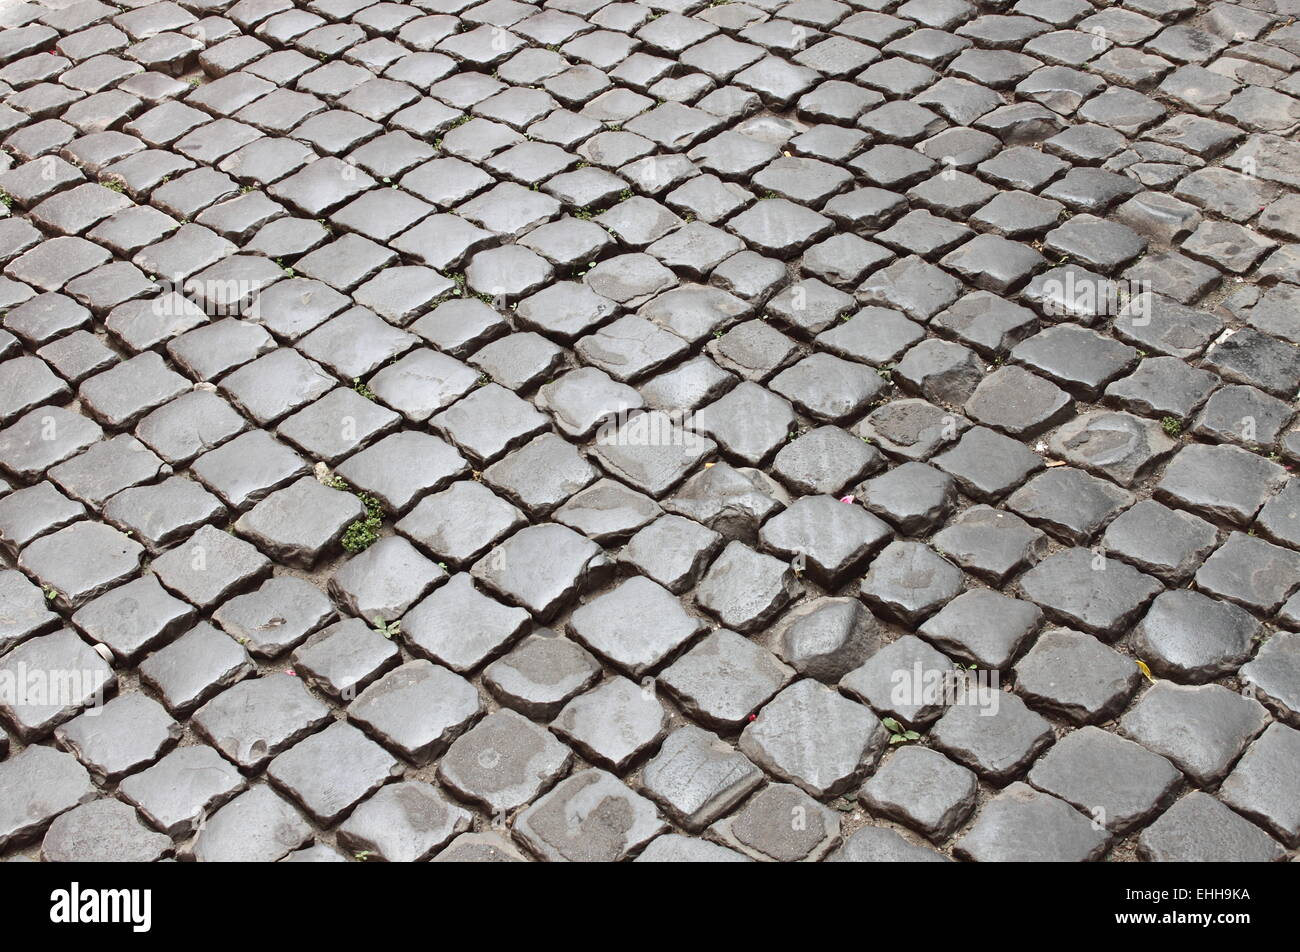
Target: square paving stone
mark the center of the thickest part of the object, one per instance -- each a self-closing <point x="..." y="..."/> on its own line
<point x="1163" y="386"/>
<point x="991" y="732"/>
<point x="922" y="789"/>
<point x="461" y="627"/>
<point x="461" y="522"/>
<point x="1120" y="784"/>
<point x="614" y="625"/>
<point x="575" y="821"/>
<point x="672" y="551"/>
<point x="403" y="823"/>
<point x="541" y="674"/>
<point x="1193" y="638"/>
<point x="81" y="562"/>
<point x="248" y="468"/>
<point x="911" y="428"/>
<point x="729" y="500"/>
<point x="38" y="785"/>
<point x="336" y="425"/>
<point x="986" y="464"/>
<point x="417" y="710"/>
<point x="177" y="793"/>
<point x="1242" y="414"/>
<point x="849" y="739"/>
<point x="745" y="589"/>
<point x="255" y="720"/>
<point x="330" y="772"/>
<point x="382" y="582"/>
<point x="1079" y="359"/>
<point x="127" y="733"/>
<point x="990" y="543"/>
<point x="1018" y="402"/>
<point x="489" y="422"/>
<point x="874" y="335"/>
<point x="34" y="511"/>
<point x="675" y="848"/>
<point x="607" y="512"/>
<point x="914" y="497"/>
<point x="825" y="460"/>
<point x="120" y="396"/>
<point x="687" y="386"/>
<point x="1198" y="828"/>
<point x="27" y="611"/>
<point x="983" y="627"/>
<point x="1201" y="728"/>
<point x="876" y="844"/>
<point x="1023" y="825"/>
<point x="724" y="679"/>
<point x="256" y="826"/>
<point x="1251" y="572"/>
<point x="77" y="678"/>
<point x="831" y="539"/>
<point x="28" y="382"/>
<point x="907" y="581"/>
<point x="827" y="638"/>
<point x="542" y="474"/>
<point x="543" y="567"/>
<point x="1069" y="503"/>
<point x="133" y="618"/>
<point x="696" y="777"/>
<point x="189" y="425"/>
<point x="275" y="617"/>
<point x="1274" y="675"/>
<point x="480" y="848"/>
<point x="780" y="823"/>
<point x="614" y="724"/>
<point x="194" y="668"/>
<point x="107" y="468"/>
<point x="503" y="762"/>
<point x="344" y="658"/>
<point x="1074" y="676"/>
<point x="651" y="452"/>
<point x="1089" y="591"/>
<point x="355" y="343"/>
<point x="300" y="523"/>
<point x="403" y="467"/>
<point x="520" y="362"/>
<point x="275" y="385"/>
<point x="1256" y="359"/>
<point x="630" y="348"/>
<point x="1264" y="784"/>
<point x="422" y="382"/>
<point x="828" y="388"/>
<point x="1226" y="483"/>
<point x="753" y="349"/>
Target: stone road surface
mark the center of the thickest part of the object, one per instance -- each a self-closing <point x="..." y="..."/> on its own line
<point x="665" y="430"/>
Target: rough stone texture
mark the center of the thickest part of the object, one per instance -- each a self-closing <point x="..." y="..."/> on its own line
<point x="756" y="349"/>
<point x="814" y="738"/>
<point x="1022" y="825"/>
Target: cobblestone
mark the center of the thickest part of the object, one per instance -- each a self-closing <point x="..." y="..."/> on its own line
<point x="776" y="357"/>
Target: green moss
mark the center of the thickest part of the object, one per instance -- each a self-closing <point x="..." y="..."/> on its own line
<point x="364" y="532"/>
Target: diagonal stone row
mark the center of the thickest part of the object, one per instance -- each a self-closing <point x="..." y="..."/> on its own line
<point x="666" y="430"/>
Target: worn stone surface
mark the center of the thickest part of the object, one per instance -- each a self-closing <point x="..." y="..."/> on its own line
<point x="814" y="738"/>
<point x="754" y="349"/>
<point x="1201" y="728"/>
<point x="1022" y="825"/>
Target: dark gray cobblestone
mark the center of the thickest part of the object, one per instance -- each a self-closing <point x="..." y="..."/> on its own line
<point x="577" y="430"/>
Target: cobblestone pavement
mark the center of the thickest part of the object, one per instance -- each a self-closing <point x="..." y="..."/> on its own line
<point x="664" y="430"/>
